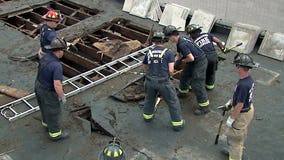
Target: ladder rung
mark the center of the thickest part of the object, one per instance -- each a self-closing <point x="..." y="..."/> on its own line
<point x="28" y="104"/>
<point x="124" y="63"/>
<point x="87" y="79"/>
<point x="10" y="108"/>
<point x="112" y="68"/>
<point x="135" y="59"/>
<point x="73" y="84"/>
<point x="100" y="73"/>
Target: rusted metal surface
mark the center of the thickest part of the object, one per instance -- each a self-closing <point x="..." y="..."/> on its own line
<point x="29" y="21"/>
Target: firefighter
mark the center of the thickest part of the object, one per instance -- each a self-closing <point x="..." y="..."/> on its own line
<point x="47" y="31"/>
<point x="113" y="151"/>
<point x="205" y="42"/>
<point x="48" y="89"/>
<point x="241" y="106"/>
<point x="194" y="71"/>
<point x="159" y="64"/>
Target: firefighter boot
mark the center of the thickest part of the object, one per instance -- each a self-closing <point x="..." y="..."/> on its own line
<point x="201" y="111"/>
<point x="63" y="135"/>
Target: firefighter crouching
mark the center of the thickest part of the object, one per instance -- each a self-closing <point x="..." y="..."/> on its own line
<point x="47" y="31"/>
<point x="49" y="91"/>
<point x="205" y="42"/>
<point x="159" y="64"/>
<point x="194" y="71"/>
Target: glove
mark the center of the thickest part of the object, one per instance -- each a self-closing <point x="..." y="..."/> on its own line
<point x="63" y="100"/>
<point x="71" y="47"/>
<point x="227" y="106"/>
<point x="230" y="121"/>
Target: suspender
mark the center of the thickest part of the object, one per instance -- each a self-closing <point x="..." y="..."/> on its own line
<point x="156" y="60"/>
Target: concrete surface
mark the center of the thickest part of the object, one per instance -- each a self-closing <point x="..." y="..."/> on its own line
<point x="266" y="14"/>
<point x="25" y="139"/>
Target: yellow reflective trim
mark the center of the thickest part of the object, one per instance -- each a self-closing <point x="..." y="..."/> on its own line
<point x="163" y="53"/>
<point x="204" y="104"/>
<point x="210" y="86"/>
<point x="183" y="91"/>
<point x="177" y="123"/>
<point x="105" y="151"/>
<point x="120" y="152"/>
<point x="43" y="124"/>
<point x="150" y="53"/>
<point x="230" y="158"/>
<point x="115" y="154"/>
<point x="56" y="134"/>
<point x="148" y="116"/>
<point x="189" y="87"/>
<point x="108" y="153"/>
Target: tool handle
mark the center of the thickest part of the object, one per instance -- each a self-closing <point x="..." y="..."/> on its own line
<point x="216" y="139"/>
<point x="239" y="44"/>
<point x="219" y="129"/>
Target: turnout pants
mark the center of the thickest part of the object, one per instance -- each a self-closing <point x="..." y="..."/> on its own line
<point x="166" y="89"/>
<point x="238" y="133"/>
<point x="194" y="74"/>
<point x="211" y="69"/>
<point x="50" y="109"/>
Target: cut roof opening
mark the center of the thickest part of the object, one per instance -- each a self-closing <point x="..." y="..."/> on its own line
<point x="30" y="21"/>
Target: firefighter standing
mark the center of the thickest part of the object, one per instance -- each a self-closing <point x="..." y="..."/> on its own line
<point x="205" y="42"/>
<point x="194" y="71"/>
<point x="242" y="107"/>
<point x="48" y="89"/>
<point x="47" y="31"/>
<point x="159" y="63"/>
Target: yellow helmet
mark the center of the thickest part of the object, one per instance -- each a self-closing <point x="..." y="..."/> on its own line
<point x="113" y="151"/>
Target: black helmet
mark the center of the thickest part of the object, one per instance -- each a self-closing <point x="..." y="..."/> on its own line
<point x="57" y="44"/>
<point x="245" y="60"/>
<point x="113" y="151"/>
<point x="170" y="30"/>
<point x="193" y="27"/>
<point x="158" y="37"/>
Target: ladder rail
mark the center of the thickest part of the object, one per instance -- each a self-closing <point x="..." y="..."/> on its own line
<point x="9" y="106"/>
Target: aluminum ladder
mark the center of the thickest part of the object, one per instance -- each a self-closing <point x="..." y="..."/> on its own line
<point x="28" y="104"/>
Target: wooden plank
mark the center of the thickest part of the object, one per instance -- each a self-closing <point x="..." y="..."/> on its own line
<point x="69" y="71"/>
<point x="130" y="33"/>
<point x="84" y="62"/>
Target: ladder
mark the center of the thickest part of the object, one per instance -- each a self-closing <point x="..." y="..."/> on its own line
<point x="28" y="104"/>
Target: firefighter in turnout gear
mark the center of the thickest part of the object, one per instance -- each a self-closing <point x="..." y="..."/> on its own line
<point x="242" y="108"/>
<point x="47" y="31"/>
<point x="159" y="64"/>
<point x="194" y="71"/>
<point x="205" y="42"/>
<point x="49" y="91"/>
<point x="113" y="151"/>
